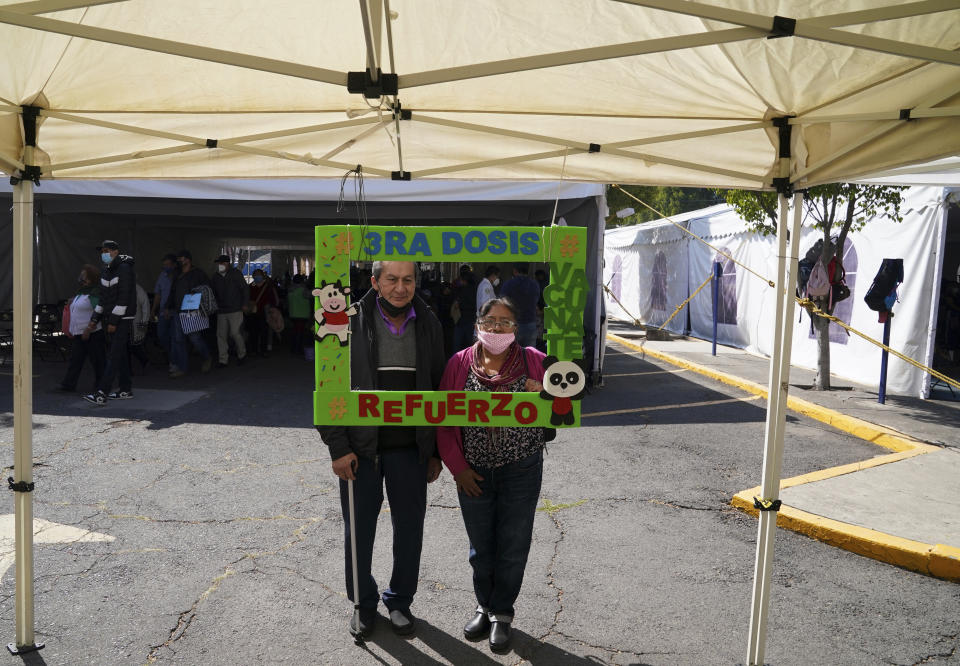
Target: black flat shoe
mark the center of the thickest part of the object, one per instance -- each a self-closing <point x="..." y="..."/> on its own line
<point x="402" y="622"/>
<point x="500" y="635"/>
<point x="478" y="626"/>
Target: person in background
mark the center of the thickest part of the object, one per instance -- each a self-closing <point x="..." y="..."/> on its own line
<point x="262" y="295"/>
<point x="465" y="311"/>
<point x="85" y="344"/>
<point x="232" y="294"/>
<point x="497" y="470"/>
<point x="117" y="308"/>
<point x="138" y="331"/>
<point x="523" y="292"/>
<point x="190" y="276"/>
<point x="300" y="309"/>
<point x="487" y="288"/>
<point x="159" y="312"/>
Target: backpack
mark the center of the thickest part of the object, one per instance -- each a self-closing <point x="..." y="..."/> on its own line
<point x="818" y="284"/>
<point x="840" y="290"/>
<point x="882" y="293"/>
<point x="805" y="267"/>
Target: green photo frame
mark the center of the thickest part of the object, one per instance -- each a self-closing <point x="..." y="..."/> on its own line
<point x="563" y="249"/>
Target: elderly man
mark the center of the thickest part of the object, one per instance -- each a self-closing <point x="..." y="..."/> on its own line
<point x="397" y="345"/>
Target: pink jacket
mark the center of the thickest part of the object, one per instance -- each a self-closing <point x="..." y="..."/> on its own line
<point x="449" y="439"/>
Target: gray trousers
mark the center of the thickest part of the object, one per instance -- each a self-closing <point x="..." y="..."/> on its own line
<point x="229" y="325"/>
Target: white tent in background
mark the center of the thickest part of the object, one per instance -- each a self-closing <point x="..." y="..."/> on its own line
<point x="658" y="257"/>
<point x="638" y="91"/>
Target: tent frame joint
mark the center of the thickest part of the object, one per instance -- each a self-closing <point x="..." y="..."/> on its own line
<point x="400" y="175"/>
<point x="400" y="112"/>
<point x="211" y="143"/>
<point x="783" y="186"/>
<point x="782" y="27"/>
<point x="905" y="114"/>
<point x="594" y="148"/>
<point x="364" y="83"/>
<point x="766" y="504"/>
<point x="20" y="486"/>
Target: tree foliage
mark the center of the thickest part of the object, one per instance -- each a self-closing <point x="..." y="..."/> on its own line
<point x="667" y="200"/>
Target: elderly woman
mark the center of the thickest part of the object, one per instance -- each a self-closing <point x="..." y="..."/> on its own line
<point x="497" y="470"/>
<point x="87" y="341"/>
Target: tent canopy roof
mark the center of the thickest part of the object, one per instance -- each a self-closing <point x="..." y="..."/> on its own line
<point x="636" y="91"/>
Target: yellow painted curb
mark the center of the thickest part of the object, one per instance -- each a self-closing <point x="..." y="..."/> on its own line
<point x="938" y="560"/>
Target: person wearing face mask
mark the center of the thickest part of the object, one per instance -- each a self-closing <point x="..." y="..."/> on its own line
<point x="232" y="293"/>
<point x="161" y="293"/>
<point x="186" y="281"/>
<point x="487" y="287"/>
<point x="497" y="470"/>
<point x="263" y="293"/>
<point x="85" y="344"/>
<point x="396" y="345"/>
<point x="116" y="309"/>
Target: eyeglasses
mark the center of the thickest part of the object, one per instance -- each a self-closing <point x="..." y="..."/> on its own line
<point x="491" y="324"/>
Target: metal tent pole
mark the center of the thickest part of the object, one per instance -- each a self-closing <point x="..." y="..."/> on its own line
<point x="23" y="238"/>
<point x="775" y="426"/>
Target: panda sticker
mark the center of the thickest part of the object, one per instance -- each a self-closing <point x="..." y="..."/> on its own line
<point x="333" y="317"/>
<point x="563" y="382"/>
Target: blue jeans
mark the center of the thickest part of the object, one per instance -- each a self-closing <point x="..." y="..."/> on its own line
<point x="405" y="478"/>
<point x="178" y="346"/>
<point x="164" y="332"/>
<point x="500" y="525"/>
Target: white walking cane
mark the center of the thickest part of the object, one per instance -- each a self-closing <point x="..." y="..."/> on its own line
<point x="357" y="635"/>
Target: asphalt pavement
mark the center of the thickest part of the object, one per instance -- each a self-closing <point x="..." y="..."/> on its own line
<point x="199" y="524"/>
<point x="902" y="508"/>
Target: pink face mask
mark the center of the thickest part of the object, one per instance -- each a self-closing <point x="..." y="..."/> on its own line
<point x="495" y="343"/>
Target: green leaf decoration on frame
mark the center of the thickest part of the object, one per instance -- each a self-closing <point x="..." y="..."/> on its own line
<point x="564" y="249"/>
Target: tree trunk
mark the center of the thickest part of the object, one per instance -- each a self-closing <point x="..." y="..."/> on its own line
<point x="822" y="327"/>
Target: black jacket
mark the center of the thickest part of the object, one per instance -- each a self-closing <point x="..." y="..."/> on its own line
<point x="362" y="440"/>
<point x="231" y="290"/>
<point x="183" y="284"/>
<point x="118" y="292"/>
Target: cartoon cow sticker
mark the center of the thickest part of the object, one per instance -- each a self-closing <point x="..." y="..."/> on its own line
<point x="333" y="317"/>
<point x="563" y="382"/>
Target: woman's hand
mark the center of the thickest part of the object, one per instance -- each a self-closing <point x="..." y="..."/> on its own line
<point x="533" y="385"/>
<point x="467" y="482"/>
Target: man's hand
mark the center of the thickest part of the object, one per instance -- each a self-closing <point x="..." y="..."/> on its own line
<point x="434" y="467"/>
<point x="111" y="328"/>
<point x="346" y="467"/>
<point x="533" y="385"/>
<point x="467" y="482"/>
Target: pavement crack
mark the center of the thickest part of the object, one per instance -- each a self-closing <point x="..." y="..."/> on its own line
<point x="941" y="655"/>
<point x="186" y="617"/>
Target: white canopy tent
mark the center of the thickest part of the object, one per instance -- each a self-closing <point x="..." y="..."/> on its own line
<point x="735" y="93"/>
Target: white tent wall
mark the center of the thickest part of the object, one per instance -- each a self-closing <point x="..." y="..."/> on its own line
<point x="916" y="240"/>
<point x="653" y="276"/>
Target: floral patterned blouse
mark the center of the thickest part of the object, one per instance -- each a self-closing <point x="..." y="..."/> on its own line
<point x="489" y="448"/>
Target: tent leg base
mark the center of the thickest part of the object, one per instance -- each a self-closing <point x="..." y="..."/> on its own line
<point x="23" y="649"/>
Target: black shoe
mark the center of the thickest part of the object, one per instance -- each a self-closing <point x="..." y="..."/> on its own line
<point x="478" y="626"/>
<point x="368" y="620"/>
<point x="99" y="398"/>
<point x="402" y="622"/>
<point x="241" y="361"/>
<point x="221" y="365"/>
<point x="500" y="636"/>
